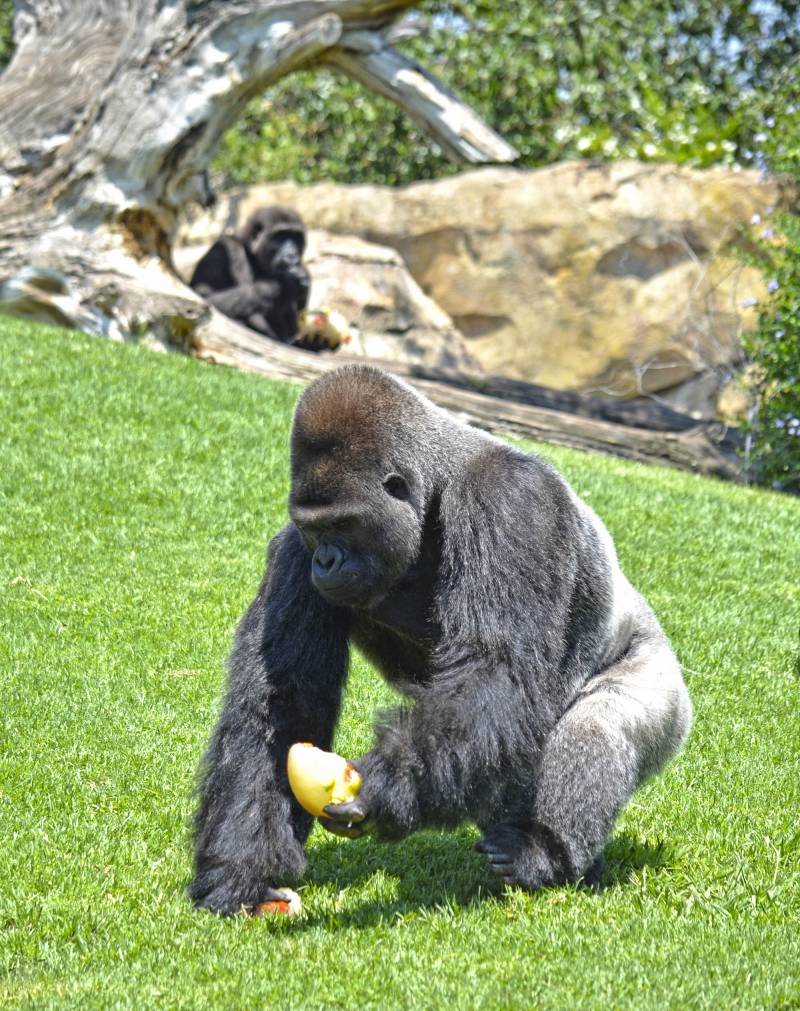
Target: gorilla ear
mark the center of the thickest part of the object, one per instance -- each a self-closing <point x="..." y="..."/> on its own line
<point x="395" y="485"/>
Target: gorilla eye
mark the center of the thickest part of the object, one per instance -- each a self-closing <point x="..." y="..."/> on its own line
<point x="395" y="485"/>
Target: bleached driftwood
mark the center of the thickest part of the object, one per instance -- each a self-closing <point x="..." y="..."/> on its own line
<point x="647" y="434"/>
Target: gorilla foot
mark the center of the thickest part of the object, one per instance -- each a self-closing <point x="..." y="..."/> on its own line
<point x="529" y="856"/>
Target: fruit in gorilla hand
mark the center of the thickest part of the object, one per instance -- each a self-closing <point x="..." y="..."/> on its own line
<point x="319" y="778"/>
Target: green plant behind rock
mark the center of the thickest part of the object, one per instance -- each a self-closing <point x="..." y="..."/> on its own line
<point x="658" y="80"/>
<point x="773" y="428"/>
<point x="6" y="32"/>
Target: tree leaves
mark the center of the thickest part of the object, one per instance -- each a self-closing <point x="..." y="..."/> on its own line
<point x="661" y="80"/>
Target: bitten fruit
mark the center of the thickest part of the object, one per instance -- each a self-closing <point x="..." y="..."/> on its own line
<point x="319" y="778"/>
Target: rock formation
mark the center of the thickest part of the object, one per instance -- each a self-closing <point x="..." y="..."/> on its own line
<point x="608" y="278"/>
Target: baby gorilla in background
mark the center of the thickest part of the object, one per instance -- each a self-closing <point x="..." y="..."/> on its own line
<point x="542" y="691"/>
<point x="257" y="275"/>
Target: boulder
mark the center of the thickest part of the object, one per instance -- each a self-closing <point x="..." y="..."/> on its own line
<point x="611" y="278"/>
<point x="391" y="318"/>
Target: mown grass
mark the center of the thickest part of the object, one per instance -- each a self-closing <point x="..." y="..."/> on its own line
<point x="137" y="494"/>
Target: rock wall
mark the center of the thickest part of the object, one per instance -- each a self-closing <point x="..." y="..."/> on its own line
<point x="597" y="277"/>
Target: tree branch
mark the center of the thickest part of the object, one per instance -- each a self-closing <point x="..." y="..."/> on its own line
<point x="694" y="446"/>
<point x="461" y="133"/>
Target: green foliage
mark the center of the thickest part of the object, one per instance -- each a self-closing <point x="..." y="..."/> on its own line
<point x="774" y="351"/>
<point x="137" y="492"/>
<point x="773" y="447"/>
<point x="6" y="31"/>
<point x="321" y="126"/>
<point x="662" y="80"/>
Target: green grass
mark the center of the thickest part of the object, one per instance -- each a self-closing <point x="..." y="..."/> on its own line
<point x="137" y="493"/>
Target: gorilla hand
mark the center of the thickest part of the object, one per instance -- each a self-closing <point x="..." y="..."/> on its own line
<point x="385" y="806"/>
<point x="350" y="820"/>
<point x="297" y="280"/>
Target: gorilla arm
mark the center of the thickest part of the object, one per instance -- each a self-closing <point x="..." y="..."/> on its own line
<point x="224" y="266"/>
<point x="449" y="758"/>
<point x="225" y="278"/>
<point x="251" y="304"/>
<point x="282" y="688"/>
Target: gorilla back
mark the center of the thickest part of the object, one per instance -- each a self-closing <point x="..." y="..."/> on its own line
<point x="541" y="689"/>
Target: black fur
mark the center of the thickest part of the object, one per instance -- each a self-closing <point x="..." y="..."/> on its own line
<point x="257" y="276"/>
<point x="541" y="689"/>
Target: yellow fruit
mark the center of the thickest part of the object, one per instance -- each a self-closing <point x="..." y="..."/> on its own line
<point x="319" y="778"/>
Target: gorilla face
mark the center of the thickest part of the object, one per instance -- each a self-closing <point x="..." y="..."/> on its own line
<point x="275" y="238"/>
<point x="363" y="533"/>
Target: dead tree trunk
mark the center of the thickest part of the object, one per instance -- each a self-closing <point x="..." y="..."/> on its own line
<point x="110" y="114"/>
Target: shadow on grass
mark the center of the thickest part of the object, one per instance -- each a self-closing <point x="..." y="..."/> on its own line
<point x="434" y="871"/>
<point x="625" y="854"/>
<point x="427" y="871"/>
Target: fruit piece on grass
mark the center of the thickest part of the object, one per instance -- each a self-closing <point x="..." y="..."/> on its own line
<point x="290" y="906"/>
<point x="319" y="778"/>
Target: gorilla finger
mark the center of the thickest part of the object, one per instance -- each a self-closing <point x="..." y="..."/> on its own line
<point x="487" y="848"/>
<point x="499" y="860"/>
<point x="352" y="812"/>
<point x="506" y="877"/>
<point x="504" y="870"/>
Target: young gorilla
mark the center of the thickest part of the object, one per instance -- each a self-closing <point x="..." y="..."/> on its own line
<point x="257" y="276"/>
<point x="542" y="689"/>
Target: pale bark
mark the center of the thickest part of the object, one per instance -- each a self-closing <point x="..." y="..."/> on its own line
<point x="649" y="434"/>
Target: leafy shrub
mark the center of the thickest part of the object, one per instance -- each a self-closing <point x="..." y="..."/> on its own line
<point x="658" y="80"/>
<point x="773" y="429"/>
<point x="6" y="32"/>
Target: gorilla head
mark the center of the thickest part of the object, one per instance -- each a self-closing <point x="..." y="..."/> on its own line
<point x="358" y="494"/>
<point x="275" y="239"/>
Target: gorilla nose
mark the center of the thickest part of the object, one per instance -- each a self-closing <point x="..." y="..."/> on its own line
<point x="327" y="562"/>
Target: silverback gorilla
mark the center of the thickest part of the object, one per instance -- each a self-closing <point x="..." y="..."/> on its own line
<point x="542" y="691"/>
<point x="257" y="276"/>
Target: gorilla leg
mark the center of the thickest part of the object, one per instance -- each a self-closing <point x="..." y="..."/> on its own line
<point x="250" y="304"/>
<point x="623" y="726"/>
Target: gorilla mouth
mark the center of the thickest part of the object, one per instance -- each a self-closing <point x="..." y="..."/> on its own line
<point x="333" y="586"/>
<point x="346" y="594"/>
<point x="346" y="589"/>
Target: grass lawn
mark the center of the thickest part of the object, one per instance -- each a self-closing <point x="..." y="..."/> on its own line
<point x="137" y="493"/>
